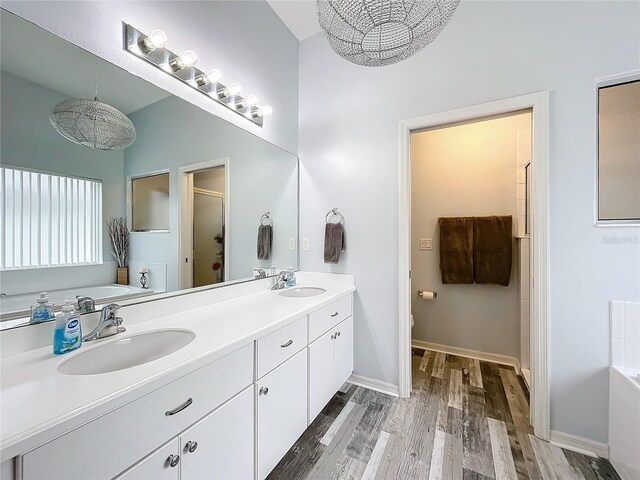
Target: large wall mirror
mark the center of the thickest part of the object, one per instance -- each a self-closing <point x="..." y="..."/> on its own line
<point x="193" y="202"/>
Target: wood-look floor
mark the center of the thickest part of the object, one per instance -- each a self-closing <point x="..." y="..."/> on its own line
<point x="465" y="419"/>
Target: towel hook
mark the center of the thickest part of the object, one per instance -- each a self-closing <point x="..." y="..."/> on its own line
<point x="334" y="212"/>
<point x="266" y="216"/>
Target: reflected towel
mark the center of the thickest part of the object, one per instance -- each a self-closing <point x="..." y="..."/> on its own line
<point x="492" y="249"/>
<point x="265" y="236"/>
<point x="456" y="249"/>
<point x="334" y="242"/>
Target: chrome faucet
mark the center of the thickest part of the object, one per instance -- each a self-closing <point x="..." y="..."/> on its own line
<point x="108" y="325"/>
<point x="281" y="281"/>
<point x="86" y="304"/>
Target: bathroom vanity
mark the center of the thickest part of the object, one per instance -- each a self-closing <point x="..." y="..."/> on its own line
<point x="229" y="404"/>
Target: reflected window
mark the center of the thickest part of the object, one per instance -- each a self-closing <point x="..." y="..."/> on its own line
<point x="619" y="152"/>
<point x="150" y="203"/>
<point x="49" y="220"/>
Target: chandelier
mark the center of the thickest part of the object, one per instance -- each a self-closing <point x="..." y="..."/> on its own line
<point x="375" y="33"/>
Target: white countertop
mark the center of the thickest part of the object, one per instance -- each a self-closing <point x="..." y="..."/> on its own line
<point x="38" y="404"/>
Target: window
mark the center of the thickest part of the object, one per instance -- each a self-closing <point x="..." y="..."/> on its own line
<point x="49" y="220"/>
<point x="618" y="151"/>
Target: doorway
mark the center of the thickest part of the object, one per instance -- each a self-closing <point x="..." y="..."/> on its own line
<point x="538" y="253"/>
<point x="204" y="224"/>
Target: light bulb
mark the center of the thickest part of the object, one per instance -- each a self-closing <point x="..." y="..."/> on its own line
<point x="234" y="89"/>
<point x="212" y="76"/>
<point x="249" y="101"/>
<point x="262" y="111"/>
<point x="156" y="39"/>
<point x="187" y="59"/>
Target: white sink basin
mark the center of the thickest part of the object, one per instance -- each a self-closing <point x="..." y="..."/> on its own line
<point x="126" y="352"/>
<point x="300" y="292"/>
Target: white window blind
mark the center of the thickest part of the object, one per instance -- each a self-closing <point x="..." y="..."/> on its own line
<point x="49" y="220"/>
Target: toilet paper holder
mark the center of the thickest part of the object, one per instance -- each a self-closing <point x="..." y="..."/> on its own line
<point x="435" y="294"/>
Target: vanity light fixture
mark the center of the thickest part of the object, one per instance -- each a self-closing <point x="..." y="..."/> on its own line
<point x="187" y="59"/>
<point x="156" y="39"/>
<point x="152" y="49"/>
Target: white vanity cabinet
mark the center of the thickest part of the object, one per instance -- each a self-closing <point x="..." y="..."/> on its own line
<point x="330" y="355"/>
<point x="220" y="446"/>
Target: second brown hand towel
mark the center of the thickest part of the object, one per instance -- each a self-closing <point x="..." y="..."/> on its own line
<point x="456" y="249"/>
<point x="492" y="249"/>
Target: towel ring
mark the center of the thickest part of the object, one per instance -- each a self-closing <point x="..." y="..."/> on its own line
<point x="334" y="212"/>
<point x="266" y="216"/>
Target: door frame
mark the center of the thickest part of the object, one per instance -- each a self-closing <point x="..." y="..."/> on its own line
<point x="539" y="251"/>
<point x="185" y="215"/>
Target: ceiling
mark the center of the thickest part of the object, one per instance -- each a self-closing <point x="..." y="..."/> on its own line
<point x="33" y="54"/>
<point x="298" y="15"/>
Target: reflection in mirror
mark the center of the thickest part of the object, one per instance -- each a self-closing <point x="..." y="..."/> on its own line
<point x="192" y="187"/>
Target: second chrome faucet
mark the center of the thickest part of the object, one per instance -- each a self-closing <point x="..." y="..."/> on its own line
<point x="108" y="325"/>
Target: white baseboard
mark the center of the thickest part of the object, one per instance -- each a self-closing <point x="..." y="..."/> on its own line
<point x="372" y="384"/>
<point x="465" y="352"/>
<point x="579" y="444"/>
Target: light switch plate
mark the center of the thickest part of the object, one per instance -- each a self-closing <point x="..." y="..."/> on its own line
<point x="292" y="243"/>
<point x="305" y="244"/>
<point x="426" y="244"/>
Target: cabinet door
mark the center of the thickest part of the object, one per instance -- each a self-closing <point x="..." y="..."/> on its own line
<point x="344" y="352"/>
<point x="321" y="373"/>
<point x="220" y="446"/>
<point x="282" y="411"/>
<point x="158" y="465"/>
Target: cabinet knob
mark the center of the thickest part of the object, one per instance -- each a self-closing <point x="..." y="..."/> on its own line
<point x="191" y="446"/>
<point x="334" y="314"/>
<point x="338" y="334"/>
<point x="263" y="390"/>
<point x="173" y="460"/>
<point x="333" y="337"/>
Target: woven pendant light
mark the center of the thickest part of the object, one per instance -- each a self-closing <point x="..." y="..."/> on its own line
<point x="375" y="33"/>
<point x="92" y="123"/>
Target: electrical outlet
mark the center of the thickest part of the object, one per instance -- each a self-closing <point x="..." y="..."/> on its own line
<point x="305" y="244"/>
<point x="426" y="244"/>
<point x="292" y="243"/>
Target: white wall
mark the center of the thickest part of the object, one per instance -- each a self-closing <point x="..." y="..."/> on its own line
<point x="465" y="170"/>
<point x="244" y="39"/>
<point x="491" y="50"/>
<point x="28" y="140"/>
<point x="172" y="133"/>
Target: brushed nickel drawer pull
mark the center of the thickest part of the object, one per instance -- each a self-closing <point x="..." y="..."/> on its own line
<point x="168" y="413"/>
<point x="285" y="345"/>
<point x="334" y="314"/>
<point x="173" y="460"/>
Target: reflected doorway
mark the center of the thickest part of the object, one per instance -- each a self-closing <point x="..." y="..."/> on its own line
<point x="204" y="224"/>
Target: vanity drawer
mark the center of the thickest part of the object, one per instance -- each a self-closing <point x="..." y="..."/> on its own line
<point x="112" y="443"/>
<point x="280" y="345"/>
<point x="328" y="316"/>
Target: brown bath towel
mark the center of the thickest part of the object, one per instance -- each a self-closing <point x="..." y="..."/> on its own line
<point x="333" y="242"/>
<point x="456" y="249"/>
<point x="265" y="236"/>
<point x="492" y="245"/>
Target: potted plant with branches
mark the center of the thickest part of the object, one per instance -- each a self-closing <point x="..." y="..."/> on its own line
<point x="119" y="236"/>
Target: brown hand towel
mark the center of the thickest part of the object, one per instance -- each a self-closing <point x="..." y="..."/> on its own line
<point x="334" y="242"/>
<point x="456" y="249"/>
<point x="492" y="245"/>
<point x="265" y="236"/>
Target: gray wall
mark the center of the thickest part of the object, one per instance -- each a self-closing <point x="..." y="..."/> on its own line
<point x="172" y="133"/>
<point x="466" y="170"/>
<point x="491" y="50"/>
<point x="245" y="40"/>
<point x="28" y="140"/>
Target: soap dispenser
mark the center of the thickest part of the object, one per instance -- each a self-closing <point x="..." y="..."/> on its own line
<point x="67" y="335"/>
<point x="291" y="277"/>
<point x="42" y="311"/>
